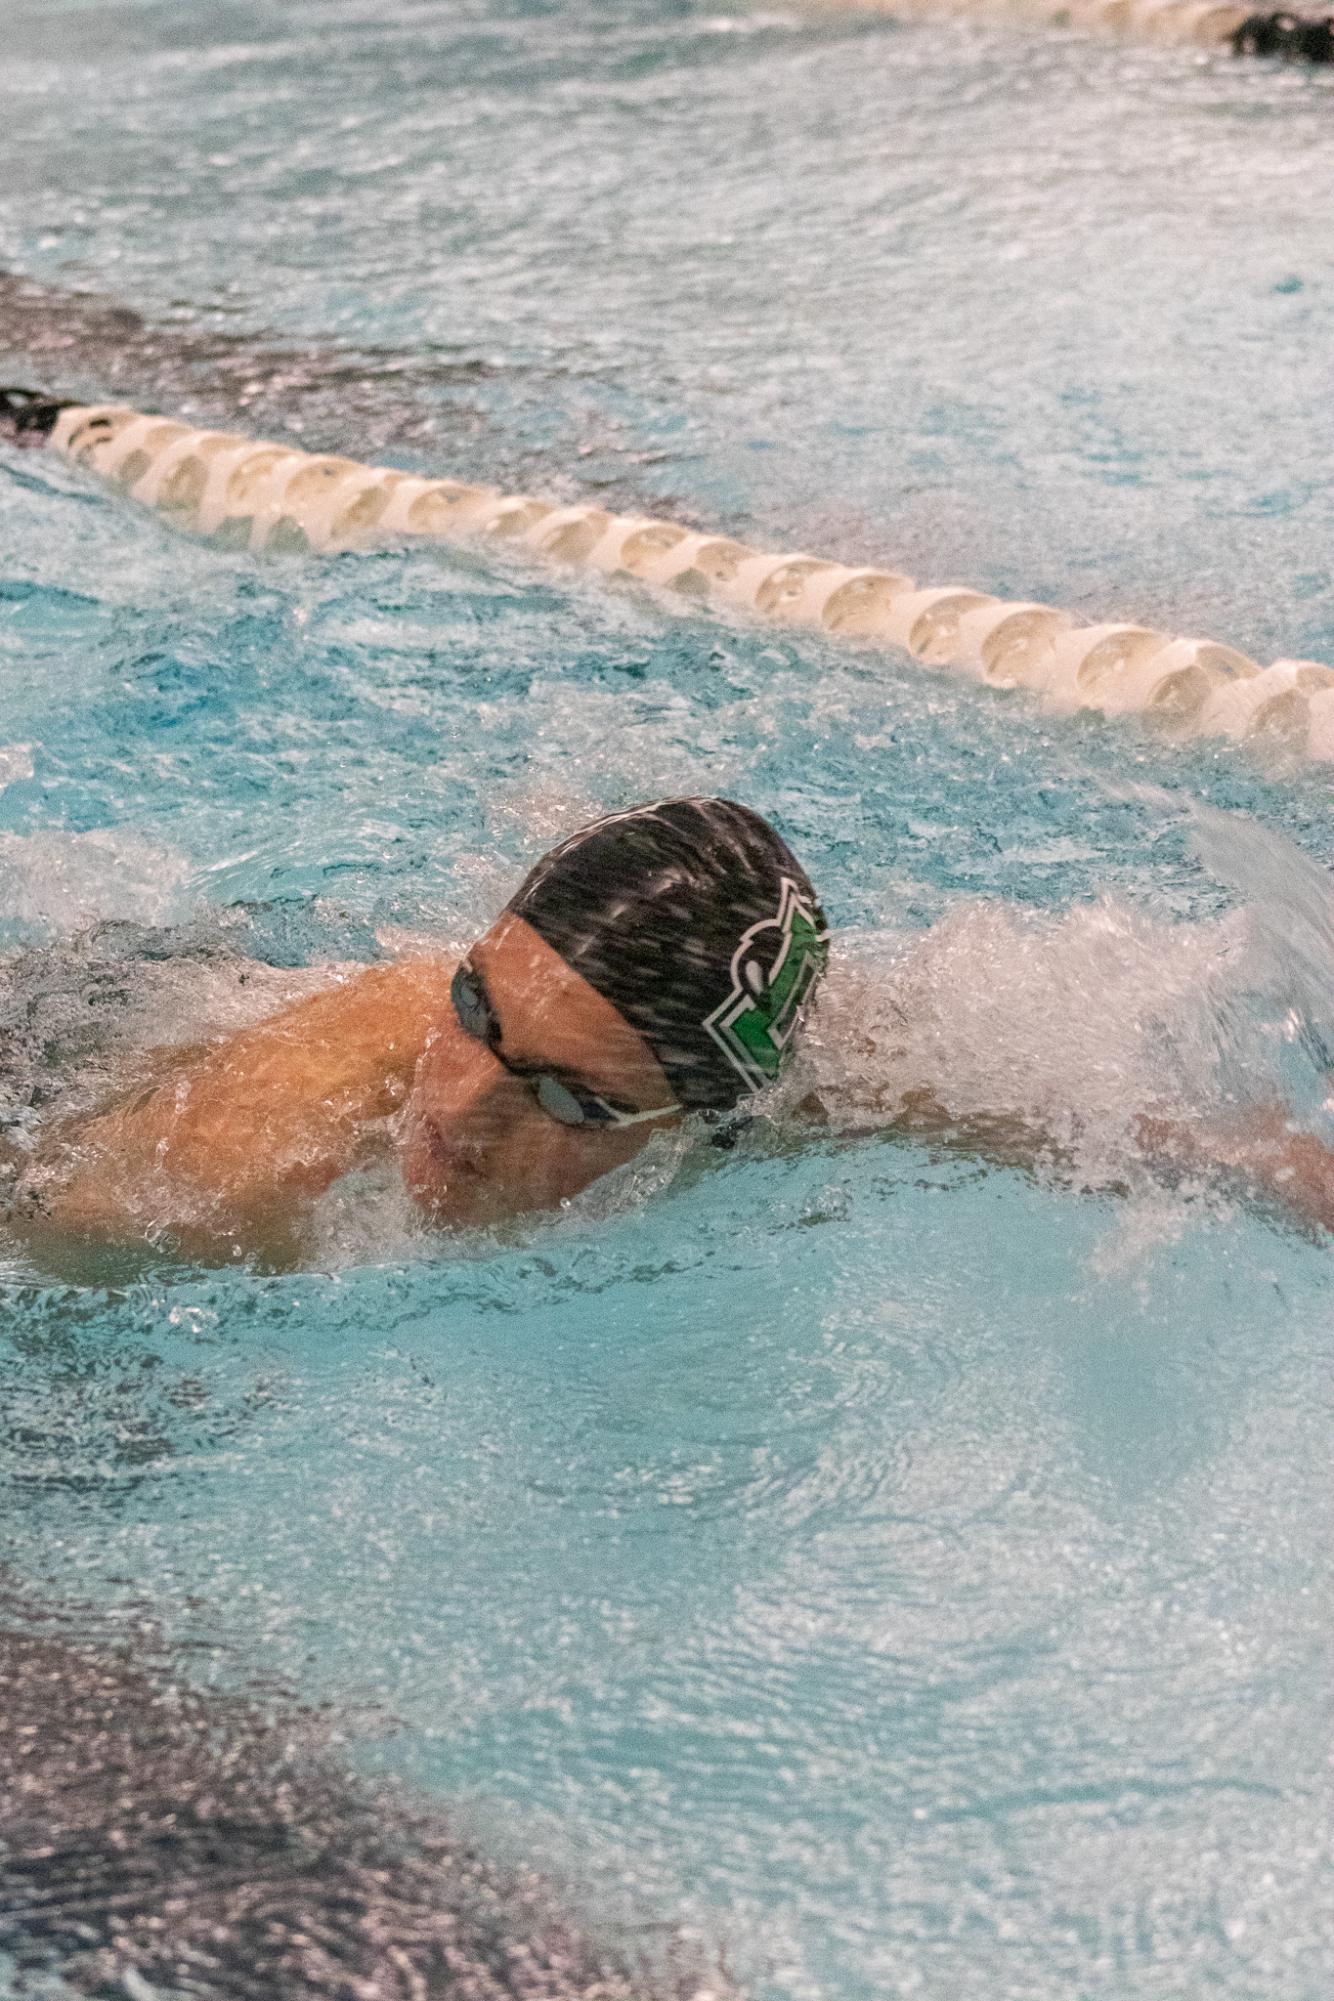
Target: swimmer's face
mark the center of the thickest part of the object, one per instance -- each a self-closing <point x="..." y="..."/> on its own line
<point x="478" y="1146"/>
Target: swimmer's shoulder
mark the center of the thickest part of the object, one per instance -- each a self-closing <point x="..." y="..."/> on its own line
<point x="227" y="1142"/>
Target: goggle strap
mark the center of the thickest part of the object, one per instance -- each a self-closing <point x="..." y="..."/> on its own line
<point x="641" y="1118"/>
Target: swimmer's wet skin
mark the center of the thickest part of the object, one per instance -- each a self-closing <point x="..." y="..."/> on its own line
<point x="656" y="965"/>
<point x="659" y="963"/>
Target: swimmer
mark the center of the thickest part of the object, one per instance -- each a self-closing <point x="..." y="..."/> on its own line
<point x="656" y="965"/>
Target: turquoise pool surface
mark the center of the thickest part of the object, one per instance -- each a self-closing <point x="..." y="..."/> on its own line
<point x="911" y="1576"/>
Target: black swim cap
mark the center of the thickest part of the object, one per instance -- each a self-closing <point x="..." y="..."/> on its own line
<point x="697" y="922"/>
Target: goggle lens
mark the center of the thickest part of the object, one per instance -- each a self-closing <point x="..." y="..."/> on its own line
<point x="559" y="1102"/>
<point x="472" y="1005"/>
<point x="477" y="1018"/>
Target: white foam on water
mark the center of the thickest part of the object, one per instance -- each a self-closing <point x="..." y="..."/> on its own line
<point x="759" y="23"/>
<point x="367" y="1218"/>
<point x="1046" y="1039"/>
<point x="1290" y="905"/>
<point x="1064" y="1019"/>
<point x="58" y="883"/>
<point x="15" y="764"/>
<point x="1042" y="1040"/>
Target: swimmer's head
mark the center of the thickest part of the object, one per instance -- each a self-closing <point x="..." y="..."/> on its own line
<point x="659" y="962"/>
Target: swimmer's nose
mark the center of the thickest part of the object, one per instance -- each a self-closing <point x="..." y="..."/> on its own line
<point x="471" y="1096"/>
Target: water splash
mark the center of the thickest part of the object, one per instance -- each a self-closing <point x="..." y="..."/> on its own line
<point x="1066" y="1027"/>
<point x="1053" y="1036"/>
<point x="54" y="883"/>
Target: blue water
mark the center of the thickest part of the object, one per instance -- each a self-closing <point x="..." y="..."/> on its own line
<point x="910" y="1574"/>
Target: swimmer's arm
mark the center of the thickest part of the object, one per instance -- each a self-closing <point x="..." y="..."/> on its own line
<point x="1261" y="1149"/>
<point x="223" y="1152"/>
<point x="1002" y="1138"/>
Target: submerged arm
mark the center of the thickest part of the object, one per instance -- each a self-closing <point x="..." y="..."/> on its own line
<point x="1260" y="1151"/>
<point x="225" y="1150"/>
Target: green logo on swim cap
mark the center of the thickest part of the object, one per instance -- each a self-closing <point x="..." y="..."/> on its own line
<point x="774" y="969"/>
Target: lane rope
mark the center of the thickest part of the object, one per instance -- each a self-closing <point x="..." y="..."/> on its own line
<point x="247" y="493"/>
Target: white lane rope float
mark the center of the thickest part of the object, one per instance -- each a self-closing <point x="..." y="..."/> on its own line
<point x="1300" y="37"/>
<point x="250" y="494"/>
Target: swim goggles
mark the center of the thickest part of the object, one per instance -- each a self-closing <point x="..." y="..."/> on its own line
<point x="565" y="1103"/>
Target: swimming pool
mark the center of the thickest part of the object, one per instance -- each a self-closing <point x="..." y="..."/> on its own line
<point x="908" y="1575"/>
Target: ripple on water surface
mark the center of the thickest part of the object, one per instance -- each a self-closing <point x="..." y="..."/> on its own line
<point x="891" y="1566"/>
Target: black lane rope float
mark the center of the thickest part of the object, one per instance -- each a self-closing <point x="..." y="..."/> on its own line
<point x="1298" y="37"/>
<point x="1306" y="38"/>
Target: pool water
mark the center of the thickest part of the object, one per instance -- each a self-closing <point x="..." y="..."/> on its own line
<point x="909" y="1575"/>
